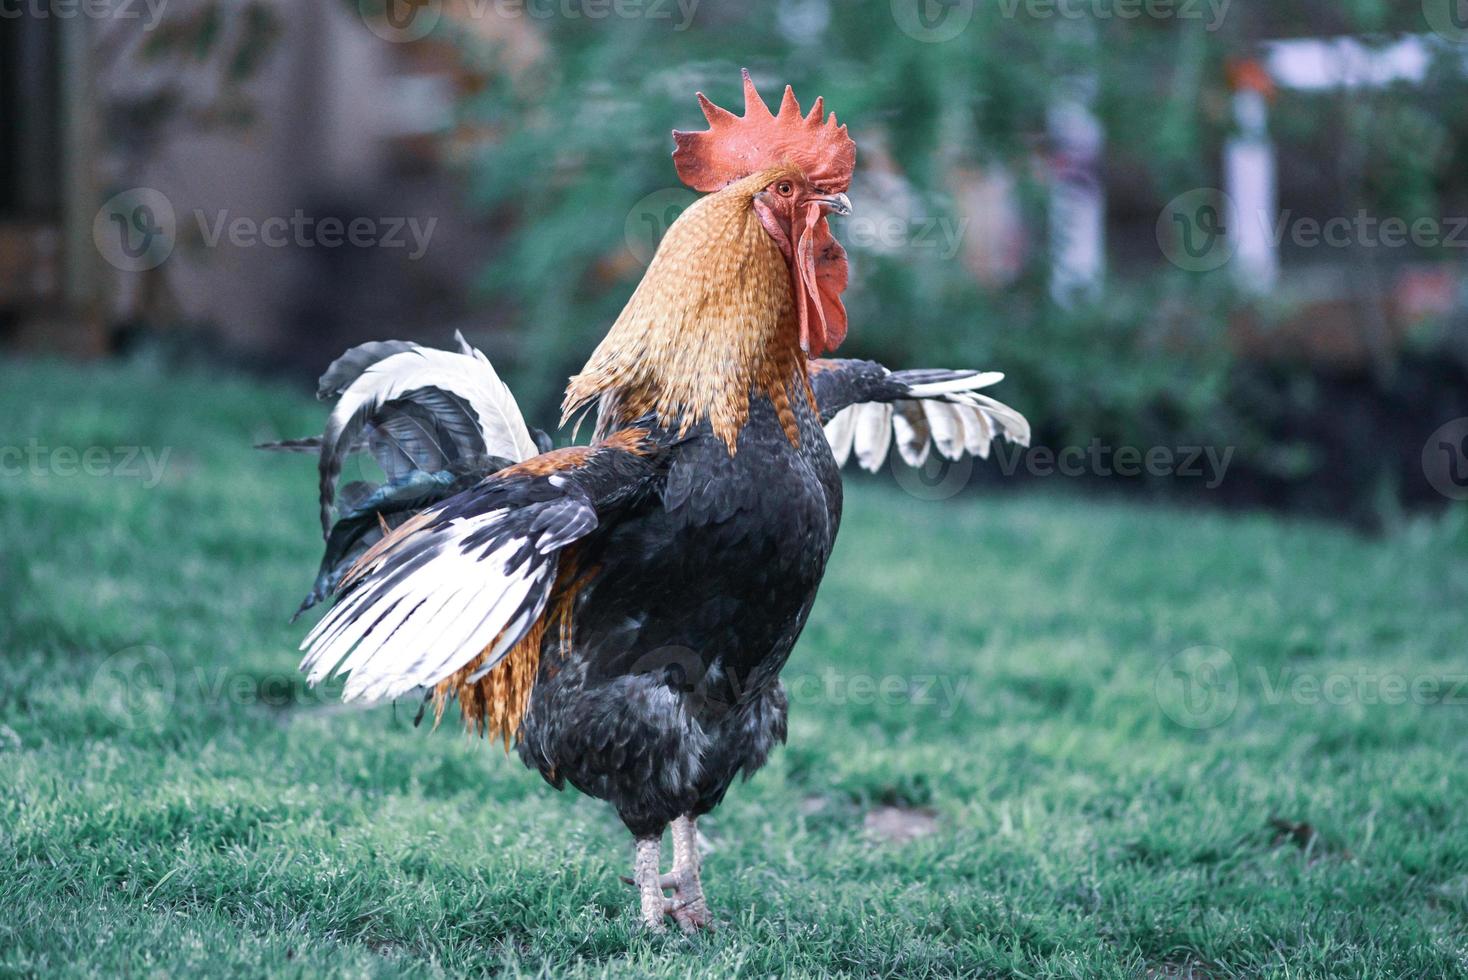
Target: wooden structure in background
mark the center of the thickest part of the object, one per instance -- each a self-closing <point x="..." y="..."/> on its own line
<point x="49" y="294"/>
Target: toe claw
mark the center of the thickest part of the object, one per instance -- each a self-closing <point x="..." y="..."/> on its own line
<point x="691" y="914"/>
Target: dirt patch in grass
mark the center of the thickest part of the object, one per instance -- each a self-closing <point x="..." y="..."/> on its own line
<point x="898" y="824"/>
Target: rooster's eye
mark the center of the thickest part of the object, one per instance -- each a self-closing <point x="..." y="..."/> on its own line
<point x="784" y="188"/>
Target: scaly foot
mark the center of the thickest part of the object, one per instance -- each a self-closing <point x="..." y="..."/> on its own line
<point x="688" y="908"/>
<point x="649" y="883"/>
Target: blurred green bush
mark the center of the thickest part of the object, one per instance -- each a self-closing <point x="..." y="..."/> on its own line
<point x="582" y="139"/>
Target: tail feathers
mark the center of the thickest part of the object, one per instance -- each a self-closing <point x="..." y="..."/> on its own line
<point x="421" y="409"/>
<point x="369" y="511"/>
<point x="310" y="444"/>
<point x="345" y="370"/>
<point x="436" y="422"/>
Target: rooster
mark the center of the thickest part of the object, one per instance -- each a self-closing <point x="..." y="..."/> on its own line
<point x="620" y="611"/>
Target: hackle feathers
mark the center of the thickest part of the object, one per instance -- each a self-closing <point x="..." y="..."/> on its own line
<point x="712" y="322"/>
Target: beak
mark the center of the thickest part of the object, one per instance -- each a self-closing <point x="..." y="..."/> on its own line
<point x="835" y="203"/>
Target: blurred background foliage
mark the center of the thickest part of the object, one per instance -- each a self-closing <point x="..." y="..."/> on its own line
<point x="1146" y="361"/>
<point x="550" y="135"/>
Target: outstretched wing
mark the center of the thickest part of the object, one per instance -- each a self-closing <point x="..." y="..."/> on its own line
<point x="436" y="422"/>
<point x="866" y="407"/>
<point x="470" y="576"/>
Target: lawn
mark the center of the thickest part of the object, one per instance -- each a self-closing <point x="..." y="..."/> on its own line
<point x="1114" y="739"/>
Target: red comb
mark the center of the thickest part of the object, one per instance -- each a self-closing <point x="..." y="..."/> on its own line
<point x="737" y="146"/>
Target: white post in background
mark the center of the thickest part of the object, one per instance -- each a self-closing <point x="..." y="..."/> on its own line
<point x="1249" y="180"/>
<point x="1077" y="200"/>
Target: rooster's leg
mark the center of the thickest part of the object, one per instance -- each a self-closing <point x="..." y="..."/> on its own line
<point x="689" y="908"/>
<point x="649" y="882"/>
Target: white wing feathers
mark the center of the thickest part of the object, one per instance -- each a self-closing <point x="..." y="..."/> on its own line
<point x="432" y="610"/>
<point x="948" y="414"/>
<point x="873" y="433"/>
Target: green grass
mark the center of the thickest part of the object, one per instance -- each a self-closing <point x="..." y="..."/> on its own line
<point x="173" y="800"/>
